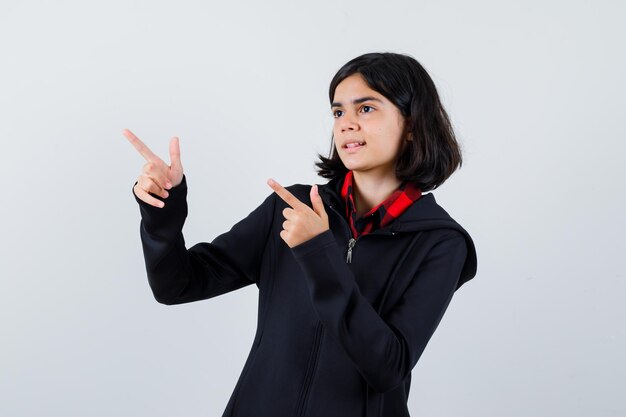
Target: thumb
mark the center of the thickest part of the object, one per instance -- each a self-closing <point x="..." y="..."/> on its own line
<point x="316" y="201"/>
<point x="175" y="154"/>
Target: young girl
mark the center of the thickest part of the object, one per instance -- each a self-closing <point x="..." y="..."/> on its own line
<point x="354" y="275"/>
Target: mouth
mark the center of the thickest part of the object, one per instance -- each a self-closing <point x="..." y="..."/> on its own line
<point x="354" y="145"/>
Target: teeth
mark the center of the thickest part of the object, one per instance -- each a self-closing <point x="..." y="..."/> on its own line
<point x="354" y="144"/>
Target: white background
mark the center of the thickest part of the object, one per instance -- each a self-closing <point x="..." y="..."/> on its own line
<point x="535" y="91"/>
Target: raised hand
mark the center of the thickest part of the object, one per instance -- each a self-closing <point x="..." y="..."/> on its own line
<point x="302" y="223"/>
<point x="156" y="176"/>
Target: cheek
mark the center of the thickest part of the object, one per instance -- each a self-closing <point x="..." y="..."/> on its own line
<point x="395" y="141"/>
<point x="392" y="134"/>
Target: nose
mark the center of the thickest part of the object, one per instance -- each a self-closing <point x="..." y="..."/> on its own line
<point x="348" y="122"/>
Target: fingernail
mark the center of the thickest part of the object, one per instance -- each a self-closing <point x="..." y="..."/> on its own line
<point x="168" y="185"/>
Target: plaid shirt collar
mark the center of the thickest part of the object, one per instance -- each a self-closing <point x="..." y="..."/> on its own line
<point x="381" y="215"/>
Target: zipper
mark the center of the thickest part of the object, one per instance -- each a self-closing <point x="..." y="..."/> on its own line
<point x="308" y="378"/>
<point x="351" y="244"/>
<point x="351" y="239"/>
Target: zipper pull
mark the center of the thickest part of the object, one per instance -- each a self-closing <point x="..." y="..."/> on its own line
<point x="351" y="243"/>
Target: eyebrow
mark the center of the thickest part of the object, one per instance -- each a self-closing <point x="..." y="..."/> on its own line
<point x="357" y="101"/>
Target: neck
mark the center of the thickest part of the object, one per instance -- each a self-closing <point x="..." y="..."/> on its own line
<point x="371" y="190"/>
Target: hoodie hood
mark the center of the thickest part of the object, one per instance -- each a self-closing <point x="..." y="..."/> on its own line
<point x="423" y="215"/>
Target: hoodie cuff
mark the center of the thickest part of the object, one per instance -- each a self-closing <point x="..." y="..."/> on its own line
<point x="317" y="243"/>
<point x="175" y="207"/>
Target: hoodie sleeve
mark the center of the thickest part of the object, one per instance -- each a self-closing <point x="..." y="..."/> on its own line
<point x="179" y="275"/>
<point x="384" y="350"/>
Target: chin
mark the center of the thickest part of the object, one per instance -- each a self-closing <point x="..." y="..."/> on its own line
<point x="356" y="168"/>
<point x="348" y="161"/>
<point x="350" y="166"/>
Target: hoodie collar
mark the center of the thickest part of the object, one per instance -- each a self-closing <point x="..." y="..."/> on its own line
<point x="423" y="215"/>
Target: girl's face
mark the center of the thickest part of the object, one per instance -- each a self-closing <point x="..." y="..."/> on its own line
<point x="369" y="130"/>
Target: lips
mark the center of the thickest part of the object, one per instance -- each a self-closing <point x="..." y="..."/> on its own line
<point x="352" y="144"/>
<point x="353" y="147"/>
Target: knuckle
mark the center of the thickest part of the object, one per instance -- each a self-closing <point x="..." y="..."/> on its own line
<point x="145" y="189"/>
<point x="153" y="184"/>
<point x="146" y="184"/>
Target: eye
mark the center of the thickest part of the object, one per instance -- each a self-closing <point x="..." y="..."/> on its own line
<point x="367" y="107"/>
<point x="335" y="115"/>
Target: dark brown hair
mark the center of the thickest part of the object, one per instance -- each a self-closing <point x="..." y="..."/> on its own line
<point x="434" y="154"/>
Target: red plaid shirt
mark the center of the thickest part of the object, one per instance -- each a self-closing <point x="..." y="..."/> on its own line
<point x="382" y="214"/>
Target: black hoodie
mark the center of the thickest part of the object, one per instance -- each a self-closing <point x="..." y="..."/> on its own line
<point x="334" y="338"/>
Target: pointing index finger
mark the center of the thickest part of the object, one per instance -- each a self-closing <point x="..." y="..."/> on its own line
<point x="140" y="146"/>
<point x="283" y="193"/>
